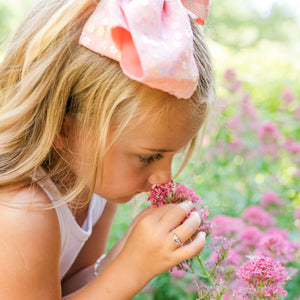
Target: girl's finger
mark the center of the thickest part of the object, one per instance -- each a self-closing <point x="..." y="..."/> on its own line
<point x="184" y="231"/>
<point x="155" y="211"/>
<point x="174" y="216"/>
<point x="191" y="249"/>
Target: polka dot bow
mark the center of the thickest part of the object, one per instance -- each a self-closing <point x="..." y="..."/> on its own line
<point x="152" y="40"/>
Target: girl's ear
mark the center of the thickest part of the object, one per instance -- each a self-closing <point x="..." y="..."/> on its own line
<point x="61" y="141"/>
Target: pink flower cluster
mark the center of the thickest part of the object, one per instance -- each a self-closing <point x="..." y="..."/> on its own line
<point x="232" y="241"/>
<point x="270" y="199"/>
<point x="263" y="276"/>
<point x="174" y="192"/>
<point x="231" y="81"/>
<point x="254" y="266"/>
<point x="252" y="239"/>
<point x="254" y="235"/>
<point x="288" y="95"/>
<point x="248" y="134"/>
<point x="257" y="216"/>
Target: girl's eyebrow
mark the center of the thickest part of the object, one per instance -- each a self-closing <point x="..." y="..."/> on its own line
<point x="158" y="149"/>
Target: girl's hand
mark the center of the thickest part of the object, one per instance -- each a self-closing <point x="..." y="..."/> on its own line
<point x="146" y="250"/>
<point x="117" y="248"/>
<point x="150" y="248"/>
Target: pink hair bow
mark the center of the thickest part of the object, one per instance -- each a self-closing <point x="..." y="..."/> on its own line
<point x="152" y="40"/>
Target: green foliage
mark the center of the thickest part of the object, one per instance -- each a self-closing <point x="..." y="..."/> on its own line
<point x="230" y="179"/>
<point x="237" y="24"/>
<point x="159" y="289"/>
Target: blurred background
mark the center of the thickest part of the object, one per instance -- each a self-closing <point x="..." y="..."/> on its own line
<point x="254" y="146"/>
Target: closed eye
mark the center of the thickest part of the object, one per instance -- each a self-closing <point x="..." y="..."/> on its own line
<point x="148" y="159"/>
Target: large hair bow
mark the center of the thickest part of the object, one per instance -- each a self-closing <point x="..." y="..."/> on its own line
<point x="152" y="40"/>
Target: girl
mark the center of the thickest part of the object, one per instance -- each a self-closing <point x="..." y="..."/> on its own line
<point x="85" y="126"/>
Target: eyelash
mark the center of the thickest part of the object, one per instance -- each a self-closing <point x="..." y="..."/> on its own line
<point x="150" y="159"/>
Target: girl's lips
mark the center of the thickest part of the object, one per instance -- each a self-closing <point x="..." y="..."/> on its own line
<point x="144" y="191"/>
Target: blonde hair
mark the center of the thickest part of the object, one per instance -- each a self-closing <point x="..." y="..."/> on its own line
<point x="47" y="74"/>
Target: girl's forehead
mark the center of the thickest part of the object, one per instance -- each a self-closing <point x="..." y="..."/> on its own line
<point x="163" y="121"/>
<point x="164" y="133"/>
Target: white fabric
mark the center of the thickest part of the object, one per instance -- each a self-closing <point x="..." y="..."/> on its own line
<point x="73" y="237"/>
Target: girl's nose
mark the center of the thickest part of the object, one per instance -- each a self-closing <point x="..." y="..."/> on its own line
<point x="160" y="176"/>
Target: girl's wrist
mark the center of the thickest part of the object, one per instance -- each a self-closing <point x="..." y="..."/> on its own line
<point x="138" y="271"/>
<point x="97" y="264"/>
<point x="118" y="279"/>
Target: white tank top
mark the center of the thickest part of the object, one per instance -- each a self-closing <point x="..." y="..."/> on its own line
<point x="73" y="237"/>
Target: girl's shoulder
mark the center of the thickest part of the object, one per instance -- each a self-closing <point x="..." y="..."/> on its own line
<point x="27" y="206"/>
<point x="30" y="238"/>
<point x="25" y="211"/>
<point x="27" y="200"/>
<point x="26" y="195"/>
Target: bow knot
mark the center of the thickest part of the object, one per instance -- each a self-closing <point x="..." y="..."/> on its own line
<point x="152" y="40"/>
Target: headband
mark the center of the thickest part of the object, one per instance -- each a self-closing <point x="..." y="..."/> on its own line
<point x="152" y="40"/>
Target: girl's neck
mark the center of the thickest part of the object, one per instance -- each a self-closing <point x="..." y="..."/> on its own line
<point x="78" y="205"/>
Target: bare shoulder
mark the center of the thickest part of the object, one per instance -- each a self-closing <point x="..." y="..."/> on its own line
<point x="30" y="246"/>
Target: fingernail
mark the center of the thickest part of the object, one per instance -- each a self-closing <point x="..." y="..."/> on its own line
<point x="194" y="214"/>
<point x="186" y="205"/>
<point x="202" y="234"/>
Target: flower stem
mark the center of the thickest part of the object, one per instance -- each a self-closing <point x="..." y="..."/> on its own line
<point x="208" y="276"/>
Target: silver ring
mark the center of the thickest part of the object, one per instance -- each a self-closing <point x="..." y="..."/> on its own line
<point x="176" y="239"/>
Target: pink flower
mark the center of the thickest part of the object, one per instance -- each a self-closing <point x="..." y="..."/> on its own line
<point x="288" y="95"/>
<point x="271" y="198"/>
<point x="297" y="213"/>
<point x="225" y="297"/>
<point x="232" y="83"/>
<point x="205" y="291"/>
<point x="234" y="123"/>
<point x="234" y="258"/>
<point x="279" y="231"/>
<point x="264" y="277"/>
<point x="248" y="110"/>
<point x="250" y="236"/>
<point x="178" y="273"/>
<point x="292" y="146"/>
<point x="174" y="192"/>
<point x="268" y="132"/>
<point x="297" y="113"/>
<point x="206" y="225"/>
<point x="235" y="86"/>
<point x="271" y="149"/>
<point x="220" y="246"/>
<point x="236" y="145"/>
<point x="278" y="247"/>
<point x="230" y="75"/>
<point x="257" y="216"/>
<point x="226" y="226"/>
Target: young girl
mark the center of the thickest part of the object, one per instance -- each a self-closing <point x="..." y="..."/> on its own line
<point x="96" y="99"/>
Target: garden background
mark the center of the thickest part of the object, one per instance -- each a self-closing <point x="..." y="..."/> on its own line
<point x="250" y="155"/>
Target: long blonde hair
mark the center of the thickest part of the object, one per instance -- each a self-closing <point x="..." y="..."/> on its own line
<point x="47" y="74"/>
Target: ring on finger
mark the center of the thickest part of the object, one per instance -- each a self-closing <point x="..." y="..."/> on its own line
<point x="176" y="239"/>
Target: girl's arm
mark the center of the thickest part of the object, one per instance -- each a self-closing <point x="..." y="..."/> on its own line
<point x="94" y="248"/>
<point x="82" y="271"/>
<point x="29" y="254"/>
<point x="30" y="248"/>
<point x="148" y="251"/>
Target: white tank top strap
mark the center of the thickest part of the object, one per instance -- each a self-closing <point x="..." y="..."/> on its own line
<point x="73" y="237"/>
